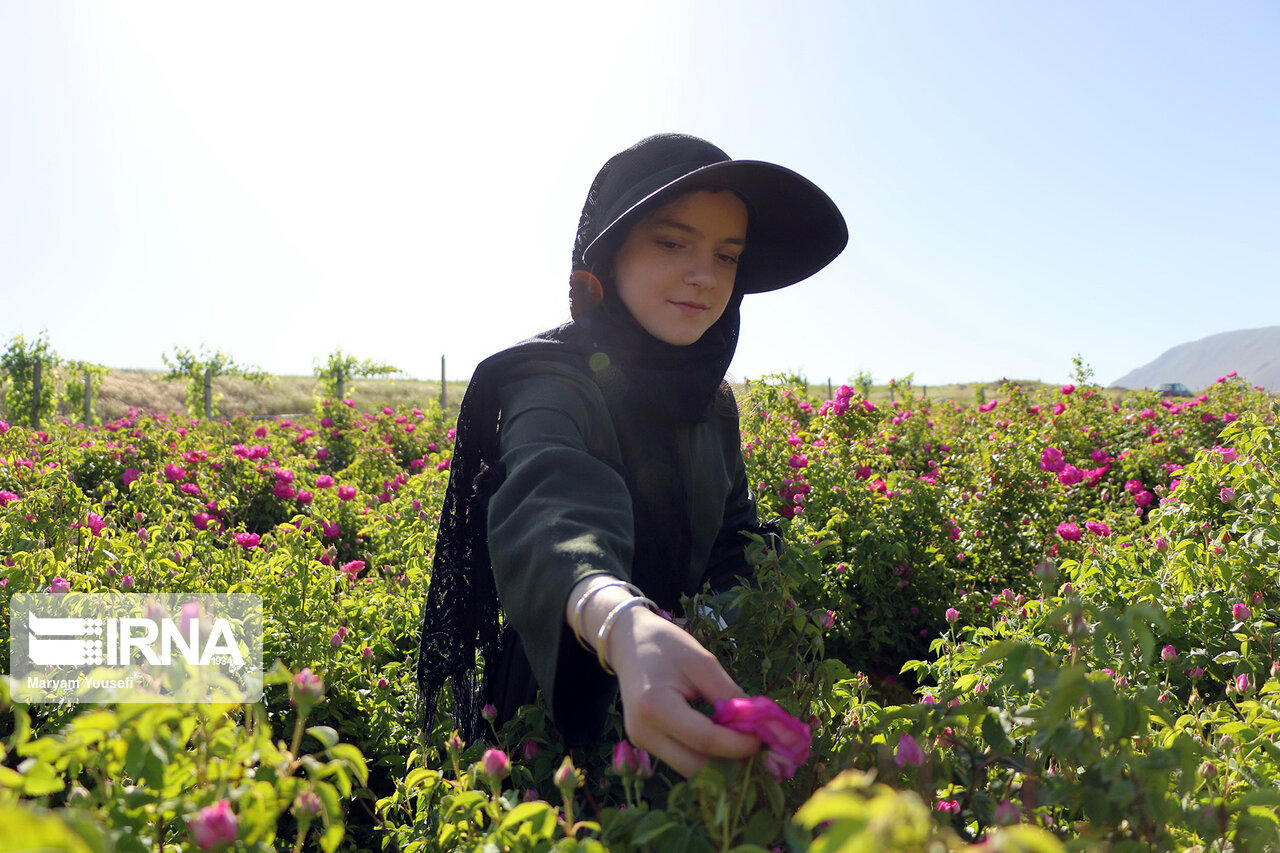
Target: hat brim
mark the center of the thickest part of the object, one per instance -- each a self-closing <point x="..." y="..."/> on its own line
<point x="794" y="228"/>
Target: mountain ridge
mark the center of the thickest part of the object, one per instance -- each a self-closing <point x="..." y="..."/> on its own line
<point x="1254" y="354"/>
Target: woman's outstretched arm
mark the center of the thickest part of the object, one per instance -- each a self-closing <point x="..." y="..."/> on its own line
<point x="661" y="668"/>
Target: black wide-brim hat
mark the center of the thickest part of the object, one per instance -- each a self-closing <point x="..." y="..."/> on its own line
<point x="794" y="228"/>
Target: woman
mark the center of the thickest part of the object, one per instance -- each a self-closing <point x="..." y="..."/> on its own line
<point x="597" y="474"/>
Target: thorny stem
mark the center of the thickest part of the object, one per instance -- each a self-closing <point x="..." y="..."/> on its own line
<point x="742" y="801"/>
<point x="297" y="733"/>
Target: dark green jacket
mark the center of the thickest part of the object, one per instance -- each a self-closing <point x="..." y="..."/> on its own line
<point x="563" y="513"/>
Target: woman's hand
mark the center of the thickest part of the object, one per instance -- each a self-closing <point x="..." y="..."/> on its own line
<point x="661" y="668"/>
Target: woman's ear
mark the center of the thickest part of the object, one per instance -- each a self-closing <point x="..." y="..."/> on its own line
<point x="585" y="293"/>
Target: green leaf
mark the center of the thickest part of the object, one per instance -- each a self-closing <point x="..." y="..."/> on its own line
<point x="997" y="651"/>
<point x="1258" y="797"/>
<point x="40" y="780"/>
<point x="351" y="755"/>
<point x="1070" y="687"/>
<point x="39" y="831"/>
<point x="418" y="775"/>
<point x="762" y="828"/>
<point x="331" y="837"/>
<point x="650" y="827"/>
<point x="995" y="732"/>
<point x="327" y="735"/>
<point x="526" y="812"/>
<point x="10" y="778"/>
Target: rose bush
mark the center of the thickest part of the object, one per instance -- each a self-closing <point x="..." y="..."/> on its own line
<point x="1087" y="660"/>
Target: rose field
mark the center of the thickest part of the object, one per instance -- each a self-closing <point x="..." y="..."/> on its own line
<point x="1047" y="621"/>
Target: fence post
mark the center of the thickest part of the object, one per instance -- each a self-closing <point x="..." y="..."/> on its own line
<point x="340" y="388"/>
<point x="35" y="394"/>
<point x="208" y="393"/>
<point x="831" y="394"/>
<point x="88" y="409"/>
<point x="444" y="397"/>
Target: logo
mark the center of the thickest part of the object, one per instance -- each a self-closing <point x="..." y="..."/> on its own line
<point x="114" y="647"/>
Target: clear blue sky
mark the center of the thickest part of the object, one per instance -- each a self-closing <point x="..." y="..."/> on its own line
<point x="1023" y="181"/>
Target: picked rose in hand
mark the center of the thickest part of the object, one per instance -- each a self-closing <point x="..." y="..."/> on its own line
<point x="786" y="739"/>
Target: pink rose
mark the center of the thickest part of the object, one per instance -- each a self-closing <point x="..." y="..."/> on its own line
<point x="1070" y="475"/>
<point x="495" y="765"/>
<point x="1069" y="531"/>
<point x="324" y="481"/>
<point x="629" y="761"/>
<point x="308" y="684"/>
<point x="352" y="570"/>
<point x="213" y="825"/>
<point x="346" y="493"/>
<point x="129" y="475"/>
<point x="1007" y="813"/>
<point x="908" y="752"/>
<point x="787" y="740"/>
<point x="94" y="522"/>
<point x="1097" y="528"/>
<point x="1051" y="460"/>
<point x="188" y="613"/>
<point x="59" y="586"/>
<point x="174" y="472"/>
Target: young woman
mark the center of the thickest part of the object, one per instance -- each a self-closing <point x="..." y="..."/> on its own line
<point x="597" y="473"/>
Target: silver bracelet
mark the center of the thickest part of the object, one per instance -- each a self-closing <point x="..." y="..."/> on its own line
<point x="602" y="638"/>
<point x="581" y="606"/>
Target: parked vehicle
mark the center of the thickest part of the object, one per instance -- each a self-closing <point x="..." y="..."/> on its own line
<point x="1174" y="389"/>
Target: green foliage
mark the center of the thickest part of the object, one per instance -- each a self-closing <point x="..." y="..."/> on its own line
<point x="135" y="778"/>
<point x="194" y="368"/>
<point x="862" y="381"/>
<point x="19" y="365"/>
<point x="964" y="663"/>
<point x="335" y="373"/>
<point x="74" y="374"/>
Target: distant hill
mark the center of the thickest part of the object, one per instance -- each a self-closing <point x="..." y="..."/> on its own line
<point x="1253" y="353"/>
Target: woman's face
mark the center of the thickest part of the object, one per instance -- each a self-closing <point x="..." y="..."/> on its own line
<point x="675" y="270"/>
